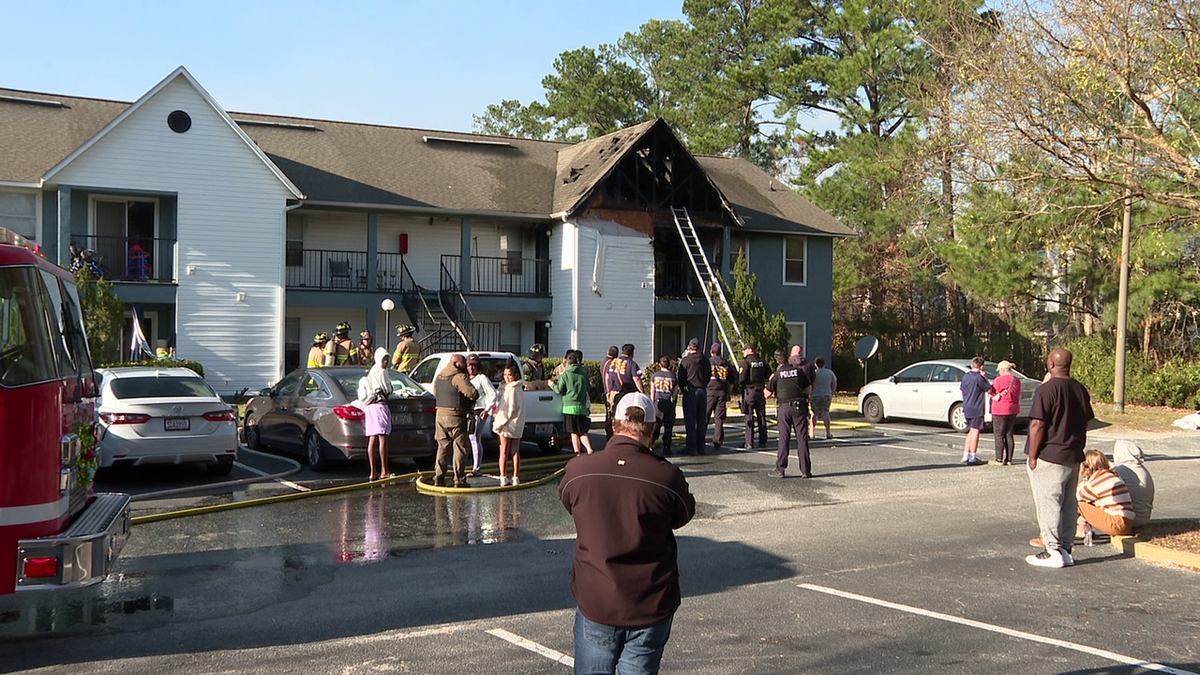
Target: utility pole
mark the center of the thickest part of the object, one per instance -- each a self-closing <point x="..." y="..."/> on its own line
<point x="1122" y="307"/>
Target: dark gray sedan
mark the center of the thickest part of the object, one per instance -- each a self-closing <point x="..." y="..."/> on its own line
<point x="309" y="412"/>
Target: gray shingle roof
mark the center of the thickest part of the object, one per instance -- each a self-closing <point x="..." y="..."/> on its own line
<point x="396" y="167"/>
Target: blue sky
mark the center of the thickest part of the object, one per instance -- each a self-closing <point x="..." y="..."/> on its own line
<point x="416" y="64"/>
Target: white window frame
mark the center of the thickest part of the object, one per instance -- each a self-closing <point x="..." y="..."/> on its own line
<point x="37" y="212"/>
<point x="733" y="251"/>
<point x="124" y="199"/>
<point x="784" y="261"/>
<point x="659" y="349"/>
<point x="802" y="330"/>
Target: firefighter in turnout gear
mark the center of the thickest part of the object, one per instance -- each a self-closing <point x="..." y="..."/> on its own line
<point x="340" y="351"/>
<point x="365" y="355"/>
<point x="408" y="352"/>
<point x="316" y="355"/>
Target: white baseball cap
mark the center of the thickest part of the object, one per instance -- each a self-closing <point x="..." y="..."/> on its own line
<point x="635" y="400"/>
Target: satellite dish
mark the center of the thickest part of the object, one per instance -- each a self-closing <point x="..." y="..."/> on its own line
<point x="866" y="347"/>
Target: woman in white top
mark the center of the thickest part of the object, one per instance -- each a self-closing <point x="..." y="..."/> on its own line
<point x="483" y="405"/>
<point x="509" y="423"/>
<point x="373" y="391"/>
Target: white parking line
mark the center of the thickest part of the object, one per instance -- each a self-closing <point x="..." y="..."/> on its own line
<point x="294" y="486"/>
<point x="557" y="657"/>
<point x="1102" y="653"/>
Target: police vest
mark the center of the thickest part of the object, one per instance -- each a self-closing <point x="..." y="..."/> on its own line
<point x="755" y="373"/>
<point x="791" y="383"/>
<point x="448" y="396"/>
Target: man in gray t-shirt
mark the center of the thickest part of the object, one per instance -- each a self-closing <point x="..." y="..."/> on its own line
<point x="824" y="384"/>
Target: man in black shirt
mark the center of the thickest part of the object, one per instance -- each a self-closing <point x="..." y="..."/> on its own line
<point x="789" y="385"/>
<point x="1058" y="422"/>
<point x="694" y="373"/>
<point x="724" y="374"/>
<point x="754" y="374"/>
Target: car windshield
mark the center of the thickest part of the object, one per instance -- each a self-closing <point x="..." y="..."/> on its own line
<point x="165" y="386"/>
<point x="402" y="384"/>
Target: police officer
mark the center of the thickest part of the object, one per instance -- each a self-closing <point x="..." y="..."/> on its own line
<point x="626" y="374"/>
<point x="340" y="351"/>
<point x="754" y="406"/>
<point x="694" y="372"/>
<point x="610" y="392"/>
<point x="789" y="385"/>
<point x="316" y="355"/>
<point x="408" y="352"/>
<point x="455" y="401"/>
<point x="664" y="388"/>
<point x="724" y="374"/>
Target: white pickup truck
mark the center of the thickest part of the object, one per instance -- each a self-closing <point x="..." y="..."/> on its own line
<point x="543" y="408"/>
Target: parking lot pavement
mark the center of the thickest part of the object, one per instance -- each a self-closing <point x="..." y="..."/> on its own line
<point x="894" y="559"/>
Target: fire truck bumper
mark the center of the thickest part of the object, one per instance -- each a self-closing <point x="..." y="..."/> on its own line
<point x="81" y="556"/>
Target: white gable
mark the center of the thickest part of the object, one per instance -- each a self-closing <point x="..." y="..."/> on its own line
<point x="231" y="212"/>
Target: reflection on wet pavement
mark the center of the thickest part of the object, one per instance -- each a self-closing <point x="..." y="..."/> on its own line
<point x="240" y="561"/>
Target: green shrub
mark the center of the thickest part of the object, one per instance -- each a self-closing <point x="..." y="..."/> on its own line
<point x="1175" y="384"/>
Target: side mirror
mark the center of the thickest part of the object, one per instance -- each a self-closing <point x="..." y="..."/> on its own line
<point x="892" y="379"/>
<point x="266" y="392"/>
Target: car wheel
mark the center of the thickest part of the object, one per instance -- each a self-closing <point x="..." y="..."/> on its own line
<point x="221" y="467"/>
<point x="250" y="433"/>
<point x="314" y="452"/>
<point x="873" y="409"/>
<point x="958" y="418"/>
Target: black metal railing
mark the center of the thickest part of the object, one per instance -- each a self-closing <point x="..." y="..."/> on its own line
<point x="346" y="270"/>
<point x="510" y="275"/>
<point x="325" y="270"/>
<point x="149" y="259"/>
<point x="676" y="279"/>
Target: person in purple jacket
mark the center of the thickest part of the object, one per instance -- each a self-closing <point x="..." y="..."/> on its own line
<point x="975" y="389"/>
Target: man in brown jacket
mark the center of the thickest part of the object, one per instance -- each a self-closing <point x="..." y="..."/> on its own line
<point x="455" y="402"/>
<point x="626" y="502"/>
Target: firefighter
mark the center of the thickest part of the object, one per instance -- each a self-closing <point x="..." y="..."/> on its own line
<point x="316" y="355"/>
<point x="535" y="370"/>
<point x="408" y="352"/>
<point x="340" y="351"/>
<point x="365" y="350"/>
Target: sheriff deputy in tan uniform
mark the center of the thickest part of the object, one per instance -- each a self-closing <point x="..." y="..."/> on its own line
<point x="340" y="351"/>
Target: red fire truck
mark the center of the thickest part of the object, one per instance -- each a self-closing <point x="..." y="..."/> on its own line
<point x="55" y="530"/>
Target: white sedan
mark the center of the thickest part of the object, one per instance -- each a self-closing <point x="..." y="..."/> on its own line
<point x="164" y="416"/>
<point x="929" y="390"/>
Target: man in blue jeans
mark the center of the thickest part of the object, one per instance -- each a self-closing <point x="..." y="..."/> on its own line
<point x="626" y="502"/>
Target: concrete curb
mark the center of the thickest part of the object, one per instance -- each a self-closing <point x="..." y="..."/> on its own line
<point x="1131" y="546"/>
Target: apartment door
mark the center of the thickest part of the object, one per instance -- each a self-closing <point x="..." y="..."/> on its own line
<point x="668" y="339"/>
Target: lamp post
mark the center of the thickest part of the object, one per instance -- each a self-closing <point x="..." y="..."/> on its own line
<point x="387" y="306"/>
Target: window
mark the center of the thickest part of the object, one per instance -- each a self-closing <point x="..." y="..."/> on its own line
<point x="738" y="244"/>
<point x="795" y="252"/>
<point x="918" y="373"/>
<point x="18" y="212"/>
<point x="799" y="333"/>
<point x="26" y="346"/>
<point x="294" y="248"/>
<point x="947" y="374"/>
<point x="424" y="373"/>
<point x="124" y="237"/>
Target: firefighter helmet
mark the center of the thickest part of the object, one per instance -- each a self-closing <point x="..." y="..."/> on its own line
<point x="320" y="338"/>
<point x="343" y="327"/>
<point x="366" y="334"/>
<point x="406" y="329"/>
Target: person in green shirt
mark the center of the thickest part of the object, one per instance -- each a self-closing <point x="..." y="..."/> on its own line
<point x="573" y="384"/>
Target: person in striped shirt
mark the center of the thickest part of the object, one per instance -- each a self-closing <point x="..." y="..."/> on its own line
<point x="1104" y="499"/>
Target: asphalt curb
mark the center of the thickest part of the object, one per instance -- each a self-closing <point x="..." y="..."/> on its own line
<point x="1134" y="548"/>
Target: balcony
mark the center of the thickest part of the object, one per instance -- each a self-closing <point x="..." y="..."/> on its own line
<point x="146" y="259"/>
<point x="510" y="275"/>
<point x="676" y="280"/>
<point x="325" y="270"/>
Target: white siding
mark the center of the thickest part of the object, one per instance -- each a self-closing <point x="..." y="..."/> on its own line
<point x="335" y="231"/>
<point x="231" y="230"/>
<point x="623" y="311"/>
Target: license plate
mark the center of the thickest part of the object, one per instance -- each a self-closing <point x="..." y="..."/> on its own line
<point x="543" y="429"/>
<point x="177" y="423"/>
<point x="402" y="418"/>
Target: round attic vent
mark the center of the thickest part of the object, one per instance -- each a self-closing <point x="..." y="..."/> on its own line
<point x="179" y="121"/>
